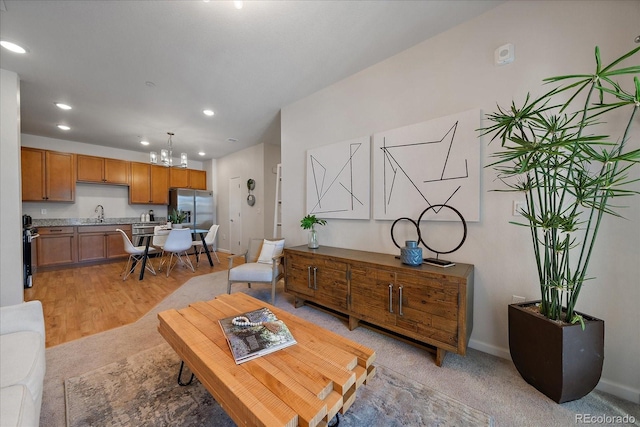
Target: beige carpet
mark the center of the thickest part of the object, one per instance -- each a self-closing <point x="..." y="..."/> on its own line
<point x="142" y="390"/>
<point x="479" y="380"/>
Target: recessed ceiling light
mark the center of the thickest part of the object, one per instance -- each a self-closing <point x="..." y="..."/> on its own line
<point x="201" y="153"/>
<point x="238" y="4"/>
<point x="232" y="140"/>
<point x="144" y="142"/>
<point x="63" y="106"/>
<point x="208" y="112"/>
<point x="12" y="46"/>
<point x="63" y="127"/>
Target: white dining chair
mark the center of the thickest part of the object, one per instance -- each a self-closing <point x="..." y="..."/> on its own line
<point x="136" y="254"/>
<point x="160" y="234"/>
<point x="209" y="240"/>
<point x="177" y="244"/>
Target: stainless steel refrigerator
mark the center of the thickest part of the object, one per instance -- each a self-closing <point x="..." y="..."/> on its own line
<point x="198" y="204"/>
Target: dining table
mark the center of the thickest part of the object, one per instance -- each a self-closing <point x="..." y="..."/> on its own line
<point x="146" y="239"/>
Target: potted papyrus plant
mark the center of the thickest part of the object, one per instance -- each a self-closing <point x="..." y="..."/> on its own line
<point x="555" y="154"/>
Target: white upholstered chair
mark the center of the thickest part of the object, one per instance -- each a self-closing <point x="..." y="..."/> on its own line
<point x="136" y="253"/>
<point x="263" y="264"/>
<point x="209" y="239"/>
<point x="177" y="244"/>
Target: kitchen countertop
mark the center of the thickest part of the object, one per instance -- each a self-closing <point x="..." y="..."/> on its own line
<point x="60" y="222"/>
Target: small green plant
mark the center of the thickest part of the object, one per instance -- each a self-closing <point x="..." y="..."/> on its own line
<point x="177" y="217"/>
<point x="571" y="175"/>
<point x="309" y="222"/>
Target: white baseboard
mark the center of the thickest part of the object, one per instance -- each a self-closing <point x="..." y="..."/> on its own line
<point x="490" y="349"/>
<point x="618" y="390"/>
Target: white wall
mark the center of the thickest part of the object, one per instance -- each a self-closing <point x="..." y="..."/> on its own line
<point x="247" y="163"/>
<point x="114" y="198"/>
<point x="11" y="280"/>
<point x="271" y="160"/>
<point x="211" y="167"/>
<point x="454" y="72"/>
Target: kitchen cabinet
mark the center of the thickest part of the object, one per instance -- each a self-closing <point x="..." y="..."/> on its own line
<point x="426" y="304"/>
<point x="72" y="245"/>
<point x="178" y="178"/>
<point x="56" y="246"/>
<point x="101" y="242"/>
<point x="47" y="175"/>
<point x="102" y="170"/>
<point x="149" y="184"/>
<point x="197" y="179"/>
<point x="187" y="178"/>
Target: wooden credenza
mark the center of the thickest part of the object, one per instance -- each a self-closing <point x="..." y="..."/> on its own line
<point x="427" y="304"/>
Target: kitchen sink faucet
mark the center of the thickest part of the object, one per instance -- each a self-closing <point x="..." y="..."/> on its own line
<point x="101" y="213"/>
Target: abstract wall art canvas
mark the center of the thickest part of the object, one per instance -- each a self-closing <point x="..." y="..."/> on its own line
<point x="338" y="180"/>
<point x="430" y="163"/>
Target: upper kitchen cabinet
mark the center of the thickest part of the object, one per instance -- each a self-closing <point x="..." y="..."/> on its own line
<point x="149" y="184"/>
<point x="187" y="178"/>
<point x="197" y="179"/>
<point x="47" y="176"/>
<point x="178" y="178"/>
<point x="102" y="170"/>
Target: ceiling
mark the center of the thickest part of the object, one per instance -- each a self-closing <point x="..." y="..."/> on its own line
<point x="136" y="70"/>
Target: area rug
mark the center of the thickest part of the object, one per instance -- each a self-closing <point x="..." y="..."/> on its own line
<point x="142" y="390"/>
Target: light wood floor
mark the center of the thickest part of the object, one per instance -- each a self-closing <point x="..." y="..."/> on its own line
<point x="82" y="301"/>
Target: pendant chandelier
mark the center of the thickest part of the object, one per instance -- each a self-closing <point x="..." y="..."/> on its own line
<point x="166" y="155"/>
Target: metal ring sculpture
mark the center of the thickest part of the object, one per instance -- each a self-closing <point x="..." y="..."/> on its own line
<point x="417" y="225"/>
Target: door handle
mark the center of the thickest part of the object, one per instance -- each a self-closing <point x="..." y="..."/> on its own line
<point x="400" y="301"/>
<point x="315" y="278"/>
<point x="390" y="297"/>
<point x="309" y="276"/>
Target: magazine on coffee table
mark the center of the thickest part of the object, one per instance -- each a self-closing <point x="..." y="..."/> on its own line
<point x="255" y="333"/>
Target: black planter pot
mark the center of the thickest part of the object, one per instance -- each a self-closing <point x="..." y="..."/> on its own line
<point x="562" y="361"/>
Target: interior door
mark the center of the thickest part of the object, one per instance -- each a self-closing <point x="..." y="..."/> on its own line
<point x="235" y="218"/>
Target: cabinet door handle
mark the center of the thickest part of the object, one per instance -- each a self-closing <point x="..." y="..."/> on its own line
<point x="315" y="278"/>
<point x="400" y="301"/>
<point x="390" y="297"/>
<point x="308" y="276"/>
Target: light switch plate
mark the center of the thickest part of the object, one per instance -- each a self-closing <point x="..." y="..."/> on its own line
<point x="518" y="206"/>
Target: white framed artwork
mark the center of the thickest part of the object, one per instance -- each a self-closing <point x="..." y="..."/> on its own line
<point x="436" y="162"/>
<point x="338" y="180"/>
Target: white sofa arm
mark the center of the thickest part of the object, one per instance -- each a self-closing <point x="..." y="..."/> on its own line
<point x="27" y="316"/>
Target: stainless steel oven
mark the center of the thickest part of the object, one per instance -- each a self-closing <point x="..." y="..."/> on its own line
<point x="29" y="232"/>
<point x="138" y="229"/>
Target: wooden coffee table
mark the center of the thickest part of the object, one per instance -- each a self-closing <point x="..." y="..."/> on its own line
<point x="306" y="384"/>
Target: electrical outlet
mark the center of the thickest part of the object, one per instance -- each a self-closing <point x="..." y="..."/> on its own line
<point x="43" y="211"/>
<point x="516" y="299"/>
<point x="518" y="206"/>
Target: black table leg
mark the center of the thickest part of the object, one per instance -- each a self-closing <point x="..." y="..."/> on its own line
<point x="206" y="249"/>
<point x="180" y="376"/>
<point x="144" y="258"/>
